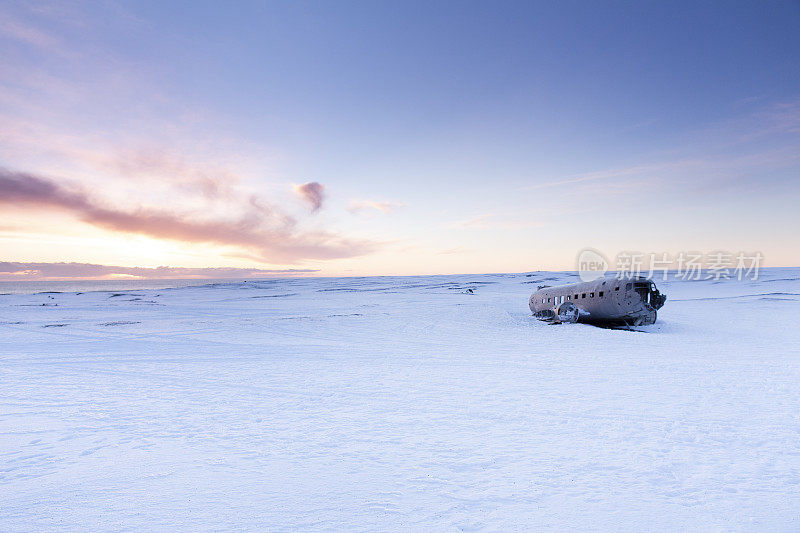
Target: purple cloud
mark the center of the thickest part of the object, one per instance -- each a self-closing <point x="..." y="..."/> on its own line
<point x="313" y="193"/>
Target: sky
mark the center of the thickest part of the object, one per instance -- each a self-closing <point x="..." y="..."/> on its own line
<point x="392" y="138"/>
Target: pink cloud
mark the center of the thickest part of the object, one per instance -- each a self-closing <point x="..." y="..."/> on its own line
<point x="261" y="230"/>
<point x="44" y="271"/>
<point x="363" y="206"/>
<point x="210" y="181"/>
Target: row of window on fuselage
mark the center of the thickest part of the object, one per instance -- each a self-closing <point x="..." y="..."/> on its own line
<point x="568" y="297"/>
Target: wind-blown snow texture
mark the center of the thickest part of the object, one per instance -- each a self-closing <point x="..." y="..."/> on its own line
<point x="398" y="404"/>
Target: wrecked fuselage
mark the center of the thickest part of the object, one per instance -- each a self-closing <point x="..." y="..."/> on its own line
<point x="605" y="301"/>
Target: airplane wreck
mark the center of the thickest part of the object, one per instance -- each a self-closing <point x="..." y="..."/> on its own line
<point x="603" y="302"/>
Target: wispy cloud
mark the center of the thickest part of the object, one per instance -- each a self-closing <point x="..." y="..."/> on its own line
<point x="455" y="251"/>
<point x="262" y="230"/>
<point x="492" y="221"/>
<point x="312" y="193"/>
<point x="211" y="181"/>
<point x="715" y="158"/>
<point x="15" y="29"/>
<point x="600" y="175"/>
<point x="366" y="206"/>
<point x="61" y="271"/>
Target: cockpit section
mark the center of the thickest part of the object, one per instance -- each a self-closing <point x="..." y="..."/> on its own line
<point x="649" y="293"/>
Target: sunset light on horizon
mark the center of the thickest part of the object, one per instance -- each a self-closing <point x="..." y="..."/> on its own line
<point x="259" y="139"/>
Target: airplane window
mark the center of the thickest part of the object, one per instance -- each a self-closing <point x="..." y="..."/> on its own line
<point x="591" y="295"/>
<point x="568" y="297"/>
<point x="584" y="295"/>
<point x="576" y="296"/>
<point x="616" y="288"/>
<point x="548" y="300"/>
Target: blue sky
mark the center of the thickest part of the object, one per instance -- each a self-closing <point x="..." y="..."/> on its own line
<point x="445" y="136"/>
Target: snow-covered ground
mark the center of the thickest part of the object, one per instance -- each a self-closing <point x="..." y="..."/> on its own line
<point x="398" y="404"/>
